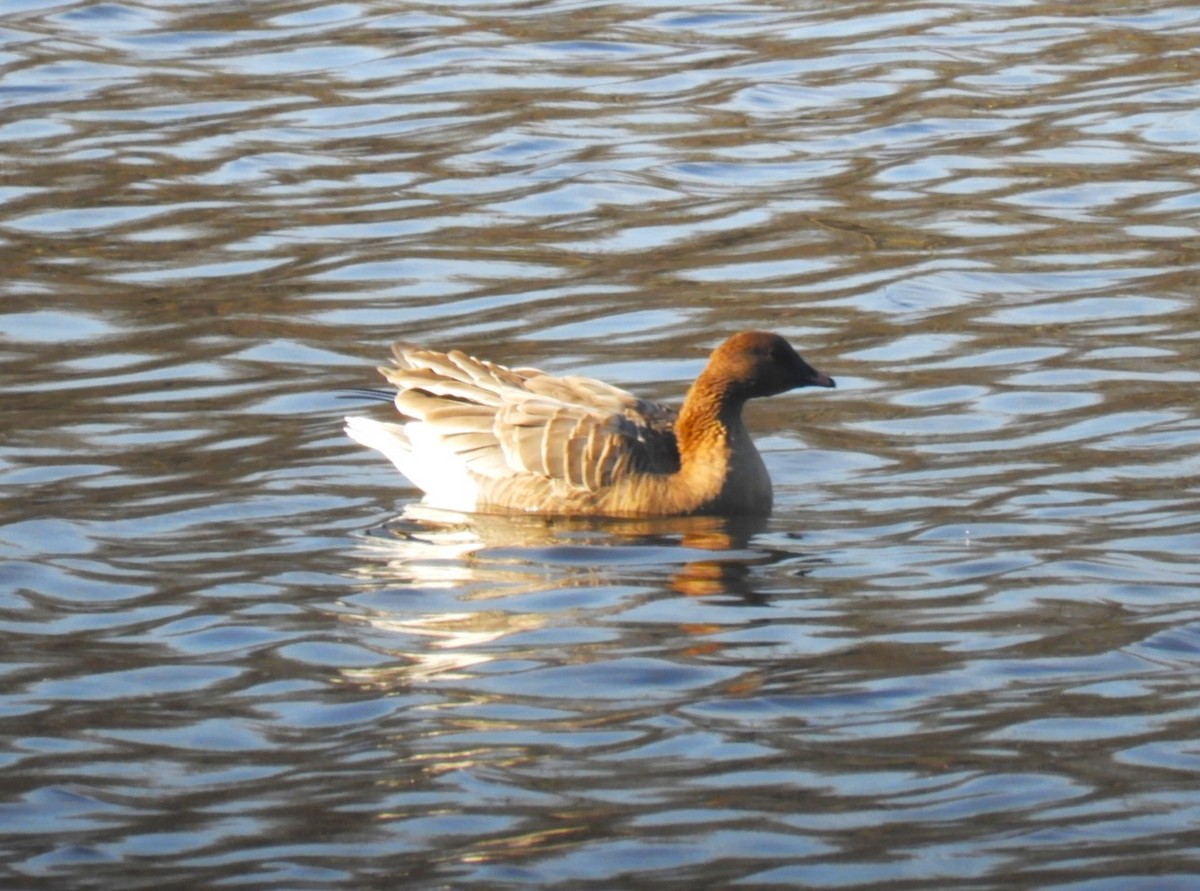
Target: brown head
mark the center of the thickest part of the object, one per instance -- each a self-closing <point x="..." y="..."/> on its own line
<point x="755" y="363"/>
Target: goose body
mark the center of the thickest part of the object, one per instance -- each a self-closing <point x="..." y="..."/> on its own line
<point x="477" y="436"/>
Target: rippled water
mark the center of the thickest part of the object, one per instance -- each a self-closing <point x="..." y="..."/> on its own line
<point x="964" y="652"/>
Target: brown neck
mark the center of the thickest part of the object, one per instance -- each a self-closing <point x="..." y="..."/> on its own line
<point x="720" y="471"/>
<point x="708" y="424"/>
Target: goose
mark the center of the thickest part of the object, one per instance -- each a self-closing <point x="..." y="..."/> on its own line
<point x="478" y="437"/>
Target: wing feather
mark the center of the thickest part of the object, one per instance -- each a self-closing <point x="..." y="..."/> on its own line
<point x="502" y="422"/>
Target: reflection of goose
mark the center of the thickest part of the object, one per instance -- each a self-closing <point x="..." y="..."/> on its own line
<point x="504" y="556"/>
<point x="447" y="593"/>
<point x="453" y="644"/>
<point x="482" y="437"/>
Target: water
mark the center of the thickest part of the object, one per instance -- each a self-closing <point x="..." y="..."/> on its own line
<point x="964" y="650"/>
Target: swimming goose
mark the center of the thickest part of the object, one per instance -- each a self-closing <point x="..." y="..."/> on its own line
<point x="480" y="437"/>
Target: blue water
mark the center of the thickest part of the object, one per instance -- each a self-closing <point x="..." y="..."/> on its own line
<point x="962" y="652"/>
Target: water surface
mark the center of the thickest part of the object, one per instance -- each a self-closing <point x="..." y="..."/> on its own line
<point x="962" y="652"/>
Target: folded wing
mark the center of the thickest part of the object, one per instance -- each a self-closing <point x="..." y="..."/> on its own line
<point x="577" y="433"/>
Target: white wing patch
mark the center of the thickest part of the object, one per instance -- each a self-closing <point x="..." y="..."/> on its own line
<point x="420" y="454"/>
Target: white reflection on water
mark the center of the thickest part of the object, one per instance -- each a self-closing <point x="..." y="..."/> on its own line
<point x="520" y="574"/>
